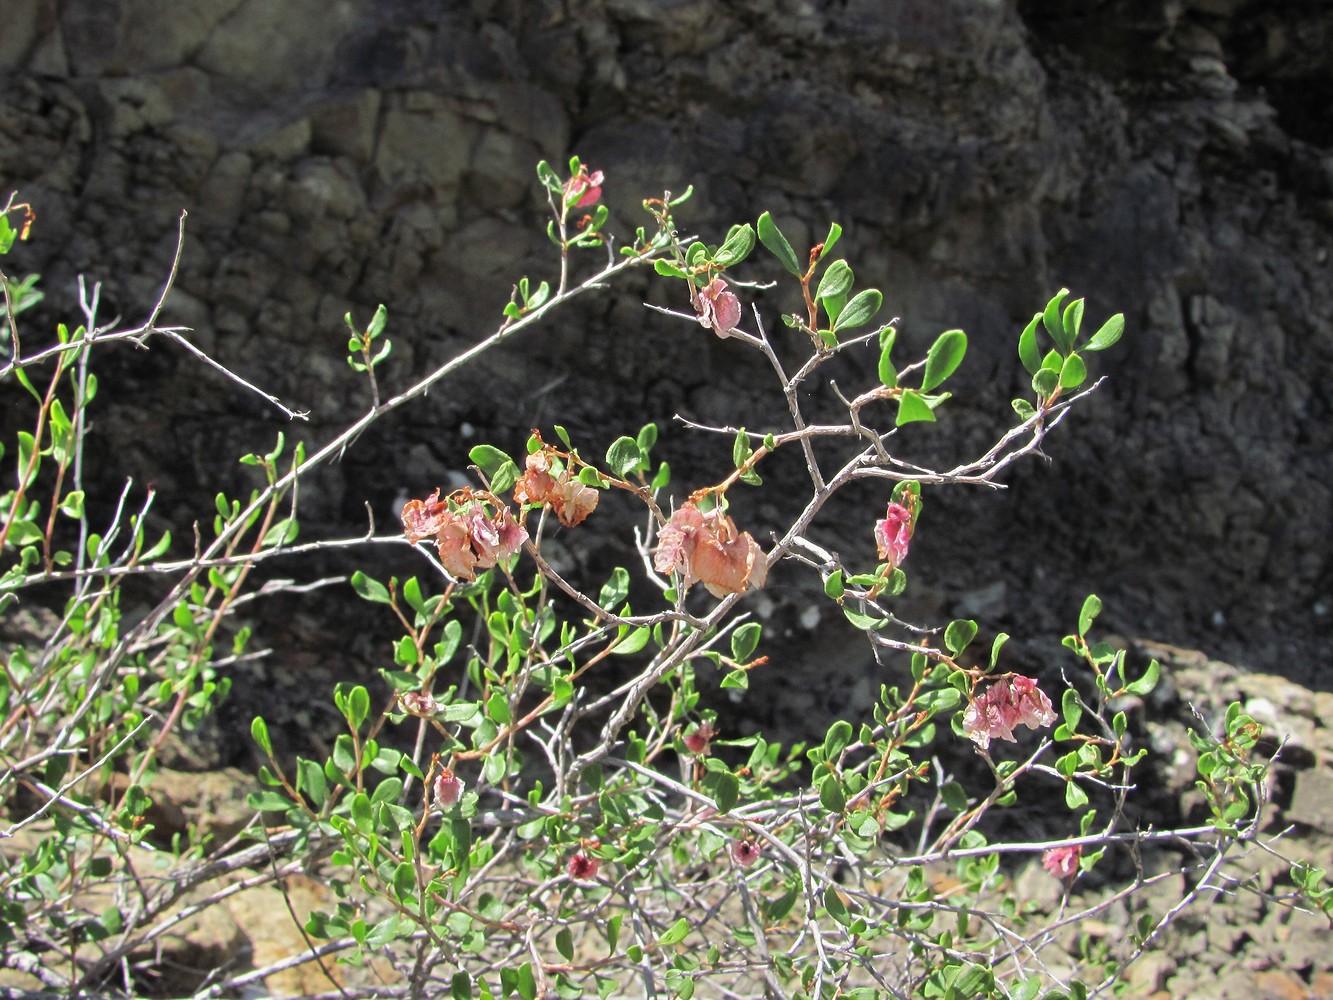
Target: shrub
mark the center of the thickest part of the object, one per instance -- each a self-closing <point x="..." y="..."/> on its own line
<point x="549" y="830"/>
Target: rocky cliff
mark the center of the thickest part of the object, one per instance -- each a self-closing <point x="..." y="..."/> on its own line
<point x="1169" y="158"/>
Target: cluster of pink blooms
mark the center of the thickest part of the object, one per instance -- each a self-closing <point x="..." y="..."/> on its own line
<point x="893" y="534"/>
<point x="476" y="536"/>
<point x="571" y="499"/>
<point x="705" y="546"/>
<point x="1009" y="702"/>
<point x="1062" y="862"/>
<point x="718" y="308"/>
<point x="584" y="188"/>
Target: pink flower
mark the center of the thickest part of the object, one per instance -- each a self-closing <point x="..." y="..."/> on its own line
<point x="1062" y="862"/>
<point x="583" y="868"/>
<point x="698" y="739"/>
<point x="708" y="548"/>
<point x="717" y="307"/>
<point x="893" y="534"/>
<point x="448" y="788"/>
<point x="584" y="188"/>
<point x="744" y="852"/>
<point x="1009" y="702"/>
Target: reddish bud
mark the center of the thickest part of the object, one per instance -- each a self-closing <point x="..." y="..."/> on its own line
<point x="698" y="739"/>
<point x="583" y="868"/>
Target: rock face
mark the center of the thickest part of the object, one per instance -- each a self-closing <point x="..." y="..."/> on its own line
<point x="1170" y="158"/>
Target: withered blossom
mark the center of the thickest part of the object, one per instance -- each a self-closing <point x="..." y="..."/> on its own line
<point x="708" y="548"/>
<point x="718" y="308"/>
<point x="893" y="534"/>
<point x="1009" y="702"/>
<point x="571" y="499"/>
<point x="468" y="539"/>
<point x="1062" y="862"/>
<point x="423" y="518"/>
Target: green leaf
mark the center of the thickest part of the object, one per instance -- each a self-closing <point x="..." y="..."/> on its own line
<point x="669" y="270"/>
<point x="564" y="943"/>
<point x="837" y="280"/>
<point x="737" y="680"/>
<point x="675" y="933"/>
<point x="959" y="634"/>
<point x="1146" y="683"/>
<point x="1092" y="607"/>
<point x="360" y="809"/>
<point x="1073" y="373"/>
<point x="624" y="456"/>
<point x="866" y="623"/>
<point x="1075" y="797"/>
<point x="837" y="738"/>
<point x="647" y="437"/>
<point x="736" y="247"/>
<point x="745" y="640"/>
<point x="837" y="909"/>
<point x="632" y="641"/>
<point x="370" y="590"/>
<point x="1071" y="709"/>
<point x="834" y="586"/>
<point x="615" y="590"/>
<point x="727" y="791"/>
<point x="946" y="354"/>
<point x="1072" y="321"/>
<point x="488" y="459"/>
<point x="771" y="237"/>
<point x="888" y="375"/>
<point x="831" y="240"/>
<point x="1108" y="334"/>
<point x="1045" y="382"/>
<point x="740" y="449"/>
<point x="1050" y="319"/>
<point x="912" y="408"/>
<point x="999" y="641"/>
<point x="1028" y="352"/>
<point x="860" y="309"/>
<point x="358" y="706"/>
<point x="831" y="795"/>
<point x="259" y="733"/>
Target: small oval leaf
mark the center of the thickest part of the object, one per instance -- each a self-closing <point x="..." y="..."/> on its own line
<point x="946" y="354"/>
